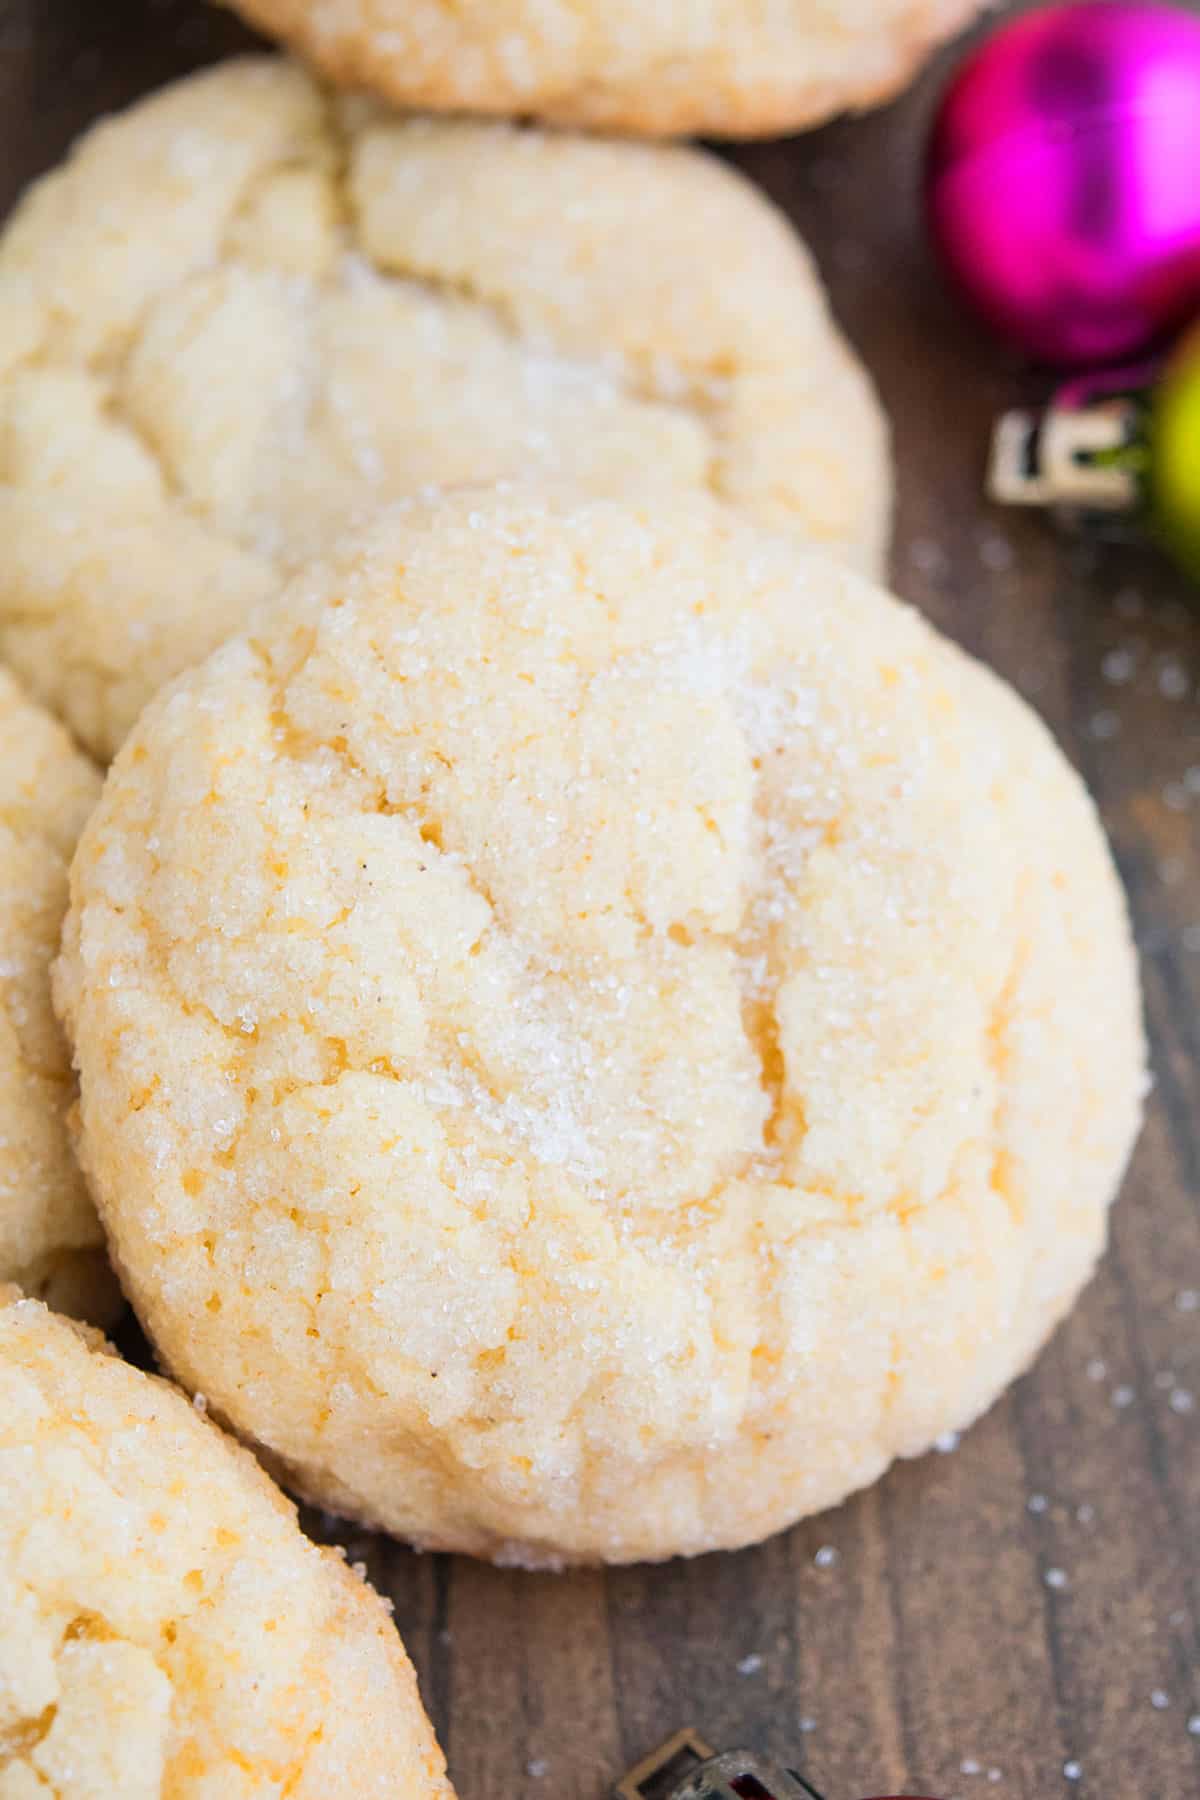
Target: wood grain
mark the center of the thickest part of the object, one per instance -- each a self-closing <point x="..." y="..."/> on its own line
<point x="934" y="1643"/>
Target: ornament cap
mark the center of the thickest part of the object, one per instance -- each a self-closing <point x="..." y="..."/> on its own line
<point x="684" y="1767"/>
<point x="1076" y="458"/>
<point x="669" y="1763"/>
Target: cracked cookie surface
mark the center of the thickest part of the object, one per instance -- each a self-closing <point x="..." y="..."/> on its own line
<point x="165" y="1627"/>
<point x="244" y="314"/>
<point x="597" y="1028"/>
<point x="51" y="1243"/>
<point x="729" y="67"/>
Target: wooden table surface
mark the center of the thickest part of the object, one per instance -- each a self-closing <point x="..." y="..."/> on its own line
<point x="932" y="1654"/>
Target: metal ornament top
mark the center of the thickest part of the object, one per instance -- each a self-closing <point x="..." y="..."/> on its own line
<point x="685" y="1767"/>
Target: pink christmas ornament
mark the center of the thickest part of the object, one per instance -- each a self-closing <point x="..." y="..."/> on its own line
<point x="1063" y="183"/>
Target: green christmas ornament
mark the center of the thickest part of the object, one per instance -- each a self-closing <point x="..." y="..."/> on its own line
<point x="1174" y="456"/>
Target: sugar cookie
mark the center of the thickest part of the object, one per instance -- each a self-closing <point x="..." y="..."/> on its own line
<point x="243" y="313"/>
<point x="597" y="1029"/>
<point x="50" y="1237"/>
<point x="730" y="68"/>
<point x="165" y="1628"/>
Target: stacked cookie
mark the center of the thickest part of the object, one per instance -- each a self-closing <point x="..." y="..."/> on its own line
<point x="248" y="313"/>
<point x="595" y="1028"/>
<point x="728" y="68"/>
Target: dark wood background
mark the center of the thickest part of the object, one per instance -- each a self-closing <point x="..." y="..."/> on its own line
<point x="933" y="1656"/>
